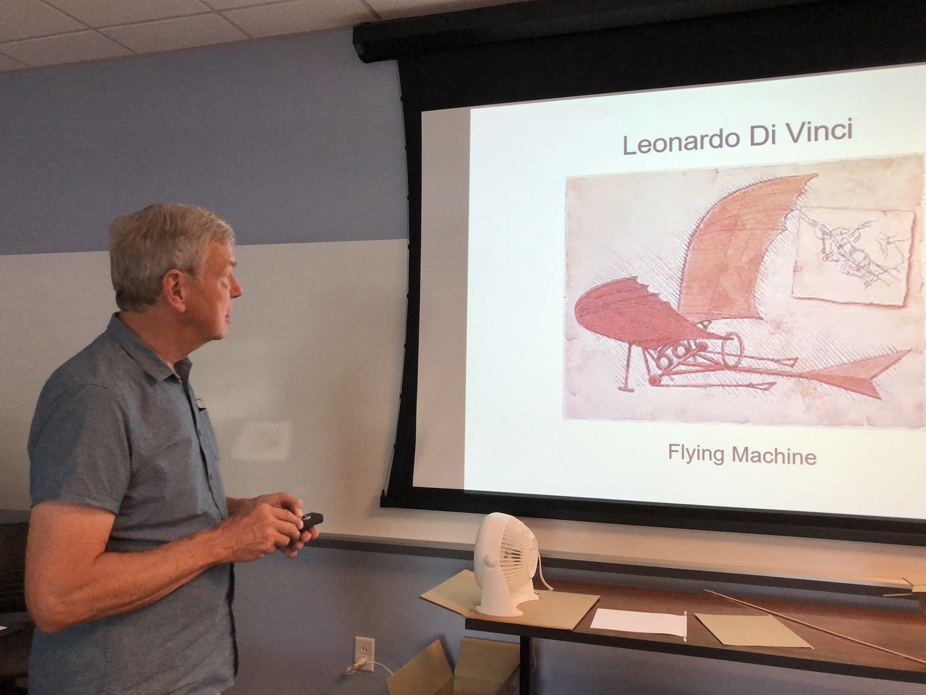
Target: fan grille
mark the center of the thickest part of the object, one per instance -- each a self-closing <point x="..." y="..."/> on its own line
<point x="518" y="553"/>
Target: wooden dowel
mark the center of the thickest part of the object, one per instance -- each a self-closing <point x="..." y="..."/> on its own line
<point x="817" y="627"/>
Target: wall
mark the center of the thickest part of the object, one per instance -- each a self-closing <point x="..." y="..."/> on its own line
<point x="300" y="147"/>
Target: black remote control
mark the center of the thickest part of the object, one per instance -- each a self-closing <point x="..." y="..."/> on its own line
<point x="311" y="519"/>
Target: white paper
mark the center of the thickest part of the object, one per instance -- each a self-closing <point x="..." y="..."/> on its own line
<point x="635" y="621"/>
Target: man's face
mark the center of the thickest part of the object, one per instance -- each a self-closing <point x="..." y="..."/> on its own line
<point x="209" y="301"/>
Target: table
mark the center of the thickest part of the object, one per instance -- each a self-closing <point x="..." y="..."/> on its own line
<point x="902" y="630"/>
<point x="15" y="644"/>
<point x="16" y="640"/>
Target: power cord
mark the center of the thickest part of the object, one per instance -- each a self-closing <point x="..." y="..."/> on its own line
<point x="356" y="667"/>
<point x="376" y="663"/>
<point x="360" y="664"/>
<point x="540" y="569"/>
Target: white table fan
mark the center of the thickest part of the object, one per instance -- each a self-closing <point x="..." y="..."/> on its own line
<point x="505" y="560"/>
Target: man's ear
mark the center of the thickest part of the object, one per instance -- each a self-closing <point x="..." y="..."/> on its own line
<point x="173" y="289"/>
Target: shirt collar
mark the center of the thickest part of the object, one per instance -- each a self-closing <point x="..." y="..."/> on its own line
<point x="144" y="356"/>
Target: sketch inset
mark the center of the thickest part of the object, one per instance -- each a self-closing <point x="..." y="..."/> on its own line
<point x="747" y="281"/>
<point x="859" y="256"/>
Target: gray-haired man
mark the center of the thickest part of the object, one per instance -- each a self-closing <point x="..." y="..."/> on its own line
<point x="128" y="568"/>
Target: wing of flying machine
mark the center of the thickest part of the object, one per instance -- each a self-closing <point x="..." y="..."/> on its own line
<point x="719" y="279"/>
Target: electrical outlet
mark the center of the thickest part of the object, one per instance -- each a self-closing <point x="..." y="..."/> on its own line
<point x="364" y="649"/>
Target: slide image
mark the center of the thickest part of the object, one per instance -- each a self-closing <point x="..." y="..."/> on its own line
<point x="860" y="256"/>
<point x="775" y="295"/>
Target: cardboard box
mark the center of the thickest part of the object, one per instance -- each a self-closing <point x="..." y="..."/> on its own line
<point x="484" y="667"/>
<point x="556" y="609"/>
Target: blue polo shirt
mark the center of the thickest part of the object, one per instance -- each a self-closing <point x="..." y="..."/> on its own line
<point x="115" y="427"/>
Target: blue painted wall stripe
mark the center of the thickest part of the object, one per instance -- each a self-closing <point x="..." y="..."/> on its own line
<point x="290" y="140"/>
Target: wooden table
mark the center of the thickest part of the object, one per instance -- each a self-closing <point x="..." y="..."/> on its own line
<point x="902" y="630"/>
<point x="16" y="640"/>
<point x="15" y="645"/>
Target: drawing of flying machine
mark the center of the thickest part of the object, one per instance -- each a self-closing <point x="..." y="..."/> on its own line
<point x="719" y="279"/>
<point x="840" y="245"/>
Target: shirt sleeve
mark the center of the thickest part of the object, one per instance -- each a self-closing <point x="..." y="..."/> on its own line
<point x="79" y="452"/>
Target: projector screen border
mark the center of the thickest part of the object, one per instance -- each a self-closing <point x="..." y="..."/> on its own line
<point x="812" y="38"/>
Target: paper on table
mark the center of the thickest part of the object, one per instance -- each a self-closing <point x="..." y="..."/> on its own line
<point x="751" y="631"/>
<point x="635" y="621"/>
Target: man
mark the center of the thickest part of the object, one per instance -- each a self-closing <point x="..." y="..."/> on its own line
<point x="129" y="573"/>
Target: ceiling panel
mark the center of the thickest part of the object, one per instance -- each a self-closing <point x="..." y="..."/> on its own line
<point x="73" y="31"/>
<point x="25" y="19"/>
<point x="174" y="34"/>
<point x="67" y="48"/>
<point x="234" y="4"/>
<point x="392" y="9"/>
<point x="299" y="16"/>
<point x="7" y="64"/>
<point x="102" y="13"/>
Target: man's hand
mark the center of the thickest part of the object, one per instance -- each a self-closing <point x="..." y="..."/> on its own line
<point x="259" y="529"/>
<point x="280" y="502"/>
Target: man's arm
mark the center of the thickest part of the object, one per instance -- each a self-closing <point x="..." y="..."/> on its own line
<point x="71" y="579"/>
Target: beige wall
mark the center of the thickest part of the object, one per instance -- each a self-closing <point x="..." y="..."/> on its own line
<point x="315" y="351"/>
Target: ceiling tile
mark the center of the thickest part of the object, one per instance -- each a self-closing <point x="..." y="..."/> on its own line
<point x="25" y="19"/>
<point x="102" y="13"/>
<point x="175" y="34"/>
<point x="7" y="64"/>
<point x="66" y="48"/>
<point x="390" y="9"/>
<point x="233" y="4"/>
<point x="299" y="16"/>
